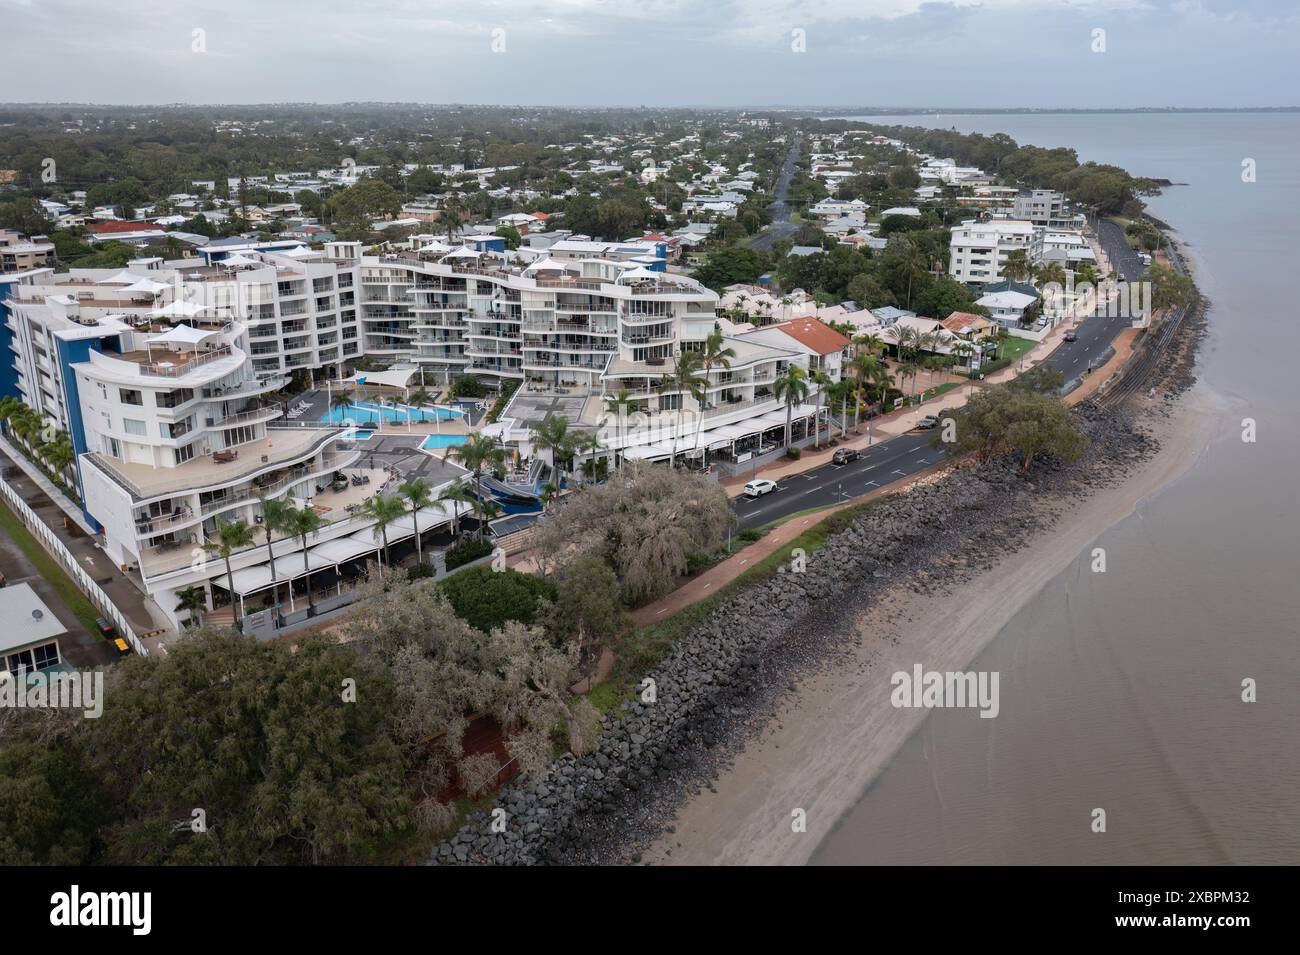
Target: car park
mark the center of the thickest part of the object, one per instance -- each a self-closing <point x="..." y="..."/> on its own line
<point x="759" y="486"/>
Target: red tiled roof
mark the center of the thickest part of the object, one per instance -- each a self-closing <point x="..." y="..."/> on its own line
<point x="815" y="334"/>
<point x="959" y="320"/>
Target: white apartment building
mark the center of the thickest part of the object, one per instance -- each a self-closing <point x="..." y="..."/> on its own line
<point x="978" y="250"/>
<point x="572" y="333"/>
<point x="554" y="322"/>
<point x="158" y="383"/>
<point x="1045" y="208"/>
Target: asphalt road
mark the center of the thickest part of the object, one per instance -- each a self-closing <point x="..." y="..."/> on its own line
<point x="880" y="464"/>
<point x="781" y="226"/>
<point x="905" y="455"/>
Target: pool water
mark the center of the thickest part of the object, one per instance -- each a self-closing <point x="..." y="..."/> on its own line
<point x="443" y="441"/>
<point x="364" y="411"/>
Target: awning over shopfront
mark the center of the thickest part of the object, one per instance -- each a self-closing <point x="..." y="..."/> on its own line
<point x="287" y="568"/>
<point x="646" y="452"/>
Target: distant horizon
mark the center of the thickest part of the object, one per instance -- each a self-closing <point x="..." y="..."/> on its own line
<point x="1046" y="54"/>
<point x="785" y="108"/>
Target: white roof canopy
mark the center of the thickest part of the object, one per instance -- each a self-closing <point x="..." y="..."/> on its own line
<point x="640" y="273"/>
<point x="121" y="278"/>
<point x="392" y="377"/>
<point x="237" y="260"/>
<point x="342" y="548"/>
<point x="255" y="578"/>
<point x="646" y="451"/>
<point x="550" y="265"/>
<point x="464" y="252"/>
<point x="177" y="309"/>
<point x="147" y="286"/>
<point x="180" y="335"/>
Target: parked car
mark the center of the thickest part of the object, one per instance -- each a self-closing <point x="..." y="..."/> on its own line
<point x="845" y="455"/>
<point x="1071" y="336"/>
<point x="926" y="423"/>
<point x="106" y="629"/>
<point x="759" y="486"/>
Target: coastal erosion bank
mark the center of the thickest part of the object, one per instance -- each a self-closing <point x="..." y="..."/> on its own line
<point x="734" y="743"/>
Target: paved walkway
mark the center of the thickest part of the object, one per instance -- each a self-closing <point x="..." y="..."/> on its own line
<point x="141" y="611"/>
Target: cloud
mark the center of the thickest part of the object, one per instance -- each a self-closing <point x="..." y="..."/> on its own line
<point x="654" y="52"/>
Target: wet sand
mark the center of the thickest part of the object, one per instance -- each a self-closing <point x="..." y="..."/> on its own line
<point x="834" y="734"/>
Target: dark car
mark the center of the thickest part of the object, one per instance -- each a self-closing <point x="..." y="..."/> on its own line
<point x="1071" y="336"/>
<point x="845" y="455"/>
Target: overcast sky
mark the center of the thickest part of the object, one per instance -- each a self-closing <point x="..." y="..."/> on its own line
<point x="942" y="53"/>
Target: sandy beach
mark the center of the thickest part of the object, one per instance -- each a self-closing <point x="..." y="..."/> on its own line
<point x="836" y="730"/>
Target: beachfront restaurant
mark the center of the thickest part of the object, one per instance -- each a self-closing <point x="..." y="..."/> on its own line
<point x="333" y="569"/>
<point x="732" y="442"/>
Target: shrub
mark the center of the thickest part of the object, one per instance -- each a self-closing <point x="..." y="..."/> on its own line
<point x="487" y="598"/>
<point x="467" y="551"/>
<point x="750" y="534"/>
<point x="467" y="386"/>
<point x="508" y="388"/>
<point x="793" y="453"/>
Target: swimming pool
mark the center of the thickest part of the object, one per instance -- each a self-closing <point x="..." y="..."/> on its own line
<point x="435" y="441"/>
<point x="365" y="411"/>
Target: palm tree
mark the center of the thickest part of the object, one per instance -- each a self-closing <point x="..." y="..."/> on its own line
<point x="840" y="392"/>
<point x="231" y="538"/>
<point x="963" y="350"/>
<point x="420" y="398"/>
<point x="1017" y="266"/>
<point x="714" y="355"/>
<point x="274" y="512"/>
<point x="906" y="340"/>
<point x="871" y="343"/>
<point x="476" y="453"/>
<point x="822" y="381"/>
<point x="791" y="386"/>
<point x="883" y="380"/>
<point x="617" y="404"/>
<point x="342" y="402"/>
<point x="383" y="511"/>
<point x="589" y="444"/>
<point x="195" y="601"/>
<point x="684" y="378"/>
<point x="418" y="491"/>
<point x="863" y="366"/>
<point x="302" y="522"/>
<point x="59" y="452"/>
<point x="553" y="435"/>
<point x="908" y="369"/>
<point x="453" y="495"/>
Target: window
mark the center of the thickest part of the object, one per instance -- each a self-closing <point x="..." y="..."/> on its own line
<point x="132" y="426"/>
<point x="103" y="392"/>
<point x="184" y="454"/>
<point x="130" y="397"/>
<point x="47" y="655"/>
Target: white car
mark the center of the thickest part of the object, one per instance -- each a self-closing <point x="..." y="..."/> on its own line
<point x="759" y="487"/>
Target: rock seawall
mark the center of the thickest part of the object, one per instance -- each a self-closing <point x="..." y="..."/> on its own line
<point x="715" y="684"/>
